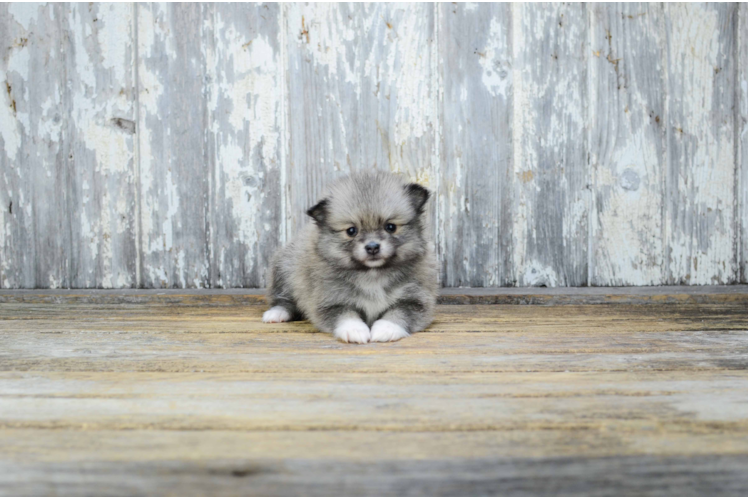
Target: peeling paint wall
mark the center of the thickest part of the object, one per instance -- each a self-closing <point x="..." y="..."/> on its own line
<point x="178" y="145"/>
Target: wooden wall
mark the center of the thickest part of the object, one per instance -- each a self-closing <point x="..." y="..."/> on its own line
<point x="177" y="145"/>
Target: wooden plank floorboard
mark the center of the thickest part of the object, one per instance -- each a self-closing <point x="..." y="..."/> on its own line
<point x="197" y="396"/>
<point x="508" y="295"/>
<point x="499" y="401"/>
<point x="616" y="476"/>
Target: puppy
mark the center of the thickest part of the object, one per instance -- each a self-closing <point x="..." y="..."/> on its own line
<point x="364" y="269"/>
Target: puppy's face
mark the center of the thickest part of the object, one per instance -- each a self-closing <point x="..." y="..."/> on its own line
<point x="371" y="221"/>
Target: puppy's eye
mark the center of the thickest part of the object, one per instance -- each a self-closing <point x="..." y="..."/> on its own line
<point x="390" y="228"/>
<point x="351" y="231"/>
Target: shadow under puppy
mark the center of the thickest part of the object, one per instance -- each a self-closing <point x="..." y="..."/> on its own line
<point x="364" y="270"/>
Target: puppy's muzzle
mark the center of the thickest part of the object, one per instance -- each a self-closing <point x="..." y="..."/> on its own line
<point x="372" y="248"/>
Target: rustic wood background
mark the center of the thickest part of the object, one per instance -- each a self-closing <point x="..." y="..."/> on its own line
<point x="154" y="145"/>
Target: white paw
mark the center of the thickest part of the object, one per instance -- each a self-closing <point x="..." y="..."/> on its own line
<point x="276" y="314"/>
<point x="352" y="330"/>
<point x="387" y="331"/>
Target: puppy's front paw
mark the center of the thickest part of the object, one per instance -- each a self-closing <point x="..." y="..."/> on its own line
<point x="353" y="331"/>
<point x="276" y="314"/>
<point x="387" y="331"/>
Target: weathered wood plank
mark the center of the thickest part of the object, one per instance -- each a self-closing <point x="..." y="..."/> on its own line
<point x="183" y="447"/>
<point x="636" y="475"/>
<point x="171" y="399"/>
<point x="398" y="92"/>
<point x="373" y="86"/>
<point x="489" y="400"/>
<point x="627" y="143"/>
<point x="721" y="294"/>
<point x="476" y="173"/>
<point x="742" y="128"/>
<point x="701" y="204"/>
<point x="324" y="83"/>
<point x="35" y="205"/>
<point x="550" y="206"/>
<point x="16" y="230"/>
<point x="173" y="154"/>
<point x="497" y="339"/>
<point x="438" y="402"/>
<point x="195" y="317"/>
<point x="360" y="95"/>
<point x="397" y="97"/>
<point x="101" y="128"/>
<point x="96" y="353"/>
<point x="245" y="71"/>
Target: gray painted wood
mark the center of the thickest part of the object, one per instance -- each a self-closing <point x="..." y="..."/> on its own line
<point x="627" y="143"/>
<point x="156" y="145"/>
<point x="360" y="95"/>
<point x="742" y="128"/>
<point x="16" y="230"/>
<point x="173" y="153"/>
<point x="475" y="193"/>
<point x="101" y="127"/>
<point x="245" y="114"/>
<point x="701" y="208"/>
<point x="550" y="207"/>
<point x="36" y="229"/>
<point x="398" y="92"/>
<point x="323" y="79"/>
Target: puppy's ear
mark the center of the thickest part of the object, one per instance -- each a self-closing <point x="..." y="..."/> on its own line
<point x="418" y="195"/>
<point x="319" y="212"/>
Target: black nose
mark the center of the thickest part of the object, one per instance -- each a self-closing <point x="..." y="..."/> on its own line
<point x="372" y="248"/>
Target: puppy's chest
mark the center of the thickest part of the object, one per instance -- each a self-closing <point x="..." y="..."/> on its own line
<point x="373" y="295"/>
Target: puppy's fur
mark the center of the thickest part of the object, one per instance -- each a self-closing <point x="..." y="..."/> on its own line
<point x="327" y="275"/>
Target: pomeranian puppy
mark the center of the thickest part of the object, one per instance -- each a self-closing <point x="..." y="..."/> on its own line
<point x="364" y="269"/>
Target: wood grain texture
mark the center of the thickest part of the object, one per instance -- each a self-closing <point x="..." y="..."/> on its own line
<point x="627" y="143"/>
<point x="475" y="209"/>
<point x="160" y="146"/>
<point x="398" y="94"/>
<point x="550" y="206"/>
<point x="245" y="72"/>
<point x="397" y="97"/>
<point x="700" y="190"/>
<point x="35" y="184"/>
<point x="499" y="339"/>
<point x="324" y="83"/>
<point x="638" y="475"/>
<point x="191" y="399"/>
<point x="742" y="128"/>
<point x="360" y="96"/>
<point x="360" y="403"/>
<point x="654" y="295"/>
<point x="101" y="128"/>
<point x="173" y="153"/>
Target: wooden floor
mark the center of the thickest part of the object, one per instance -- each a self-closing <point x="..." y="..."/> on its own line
<point x="605" y="392"/>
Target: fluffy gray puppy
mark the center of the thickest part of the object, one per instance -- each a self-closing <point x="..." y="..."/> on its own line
<point x="364" y="270"/>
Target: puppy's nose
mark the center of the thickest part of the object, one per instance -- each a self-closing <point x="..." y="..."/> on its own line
<point x="372" y="248"/>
